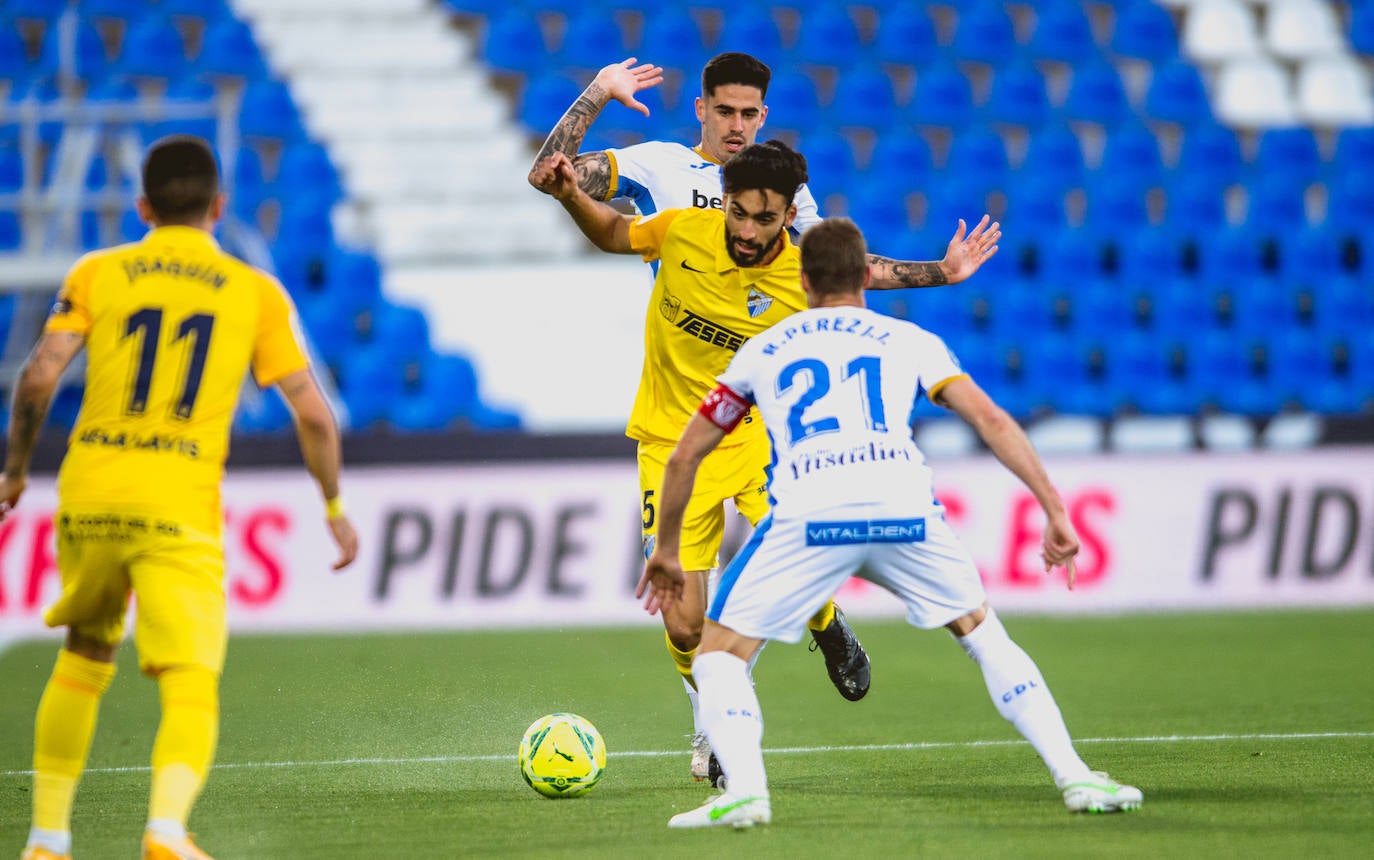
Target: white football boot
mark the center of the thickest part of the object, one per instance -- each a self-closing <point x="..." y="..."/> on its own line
<point x="1101" y="793"/>
<point x="726" y="810"/>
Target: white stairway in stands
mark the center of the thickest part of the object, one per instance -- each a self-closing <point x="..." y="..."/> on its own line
<point x="433" y="167"/>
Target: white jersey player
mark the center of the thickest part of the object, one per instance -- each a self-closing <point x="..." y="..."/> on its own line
<point x="851" y="495"/>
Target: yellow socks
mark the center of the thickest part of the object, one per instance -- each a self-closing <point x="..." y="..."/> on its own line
<point x="185" y="743"/>
<point x="683" y="660"/>
<point x="822" y="619"/>
<point x="62" y="735"/>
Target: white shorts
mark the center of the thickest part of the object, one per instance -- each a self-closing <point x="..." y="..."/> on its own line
<point x="790" y="568"/>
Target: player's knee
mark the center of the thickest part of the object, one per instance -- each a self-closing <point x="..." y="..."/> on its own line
<point x="90" y="648"/>
<point x="684" y="634"/>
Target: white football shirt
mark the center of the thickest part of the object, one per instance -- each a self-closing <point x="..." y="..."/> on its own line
<point x="658" y="175"/>
<point x="836" y="388"/>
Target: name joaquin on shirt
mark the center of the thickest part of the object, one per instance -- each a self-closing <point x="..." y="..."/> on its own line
<point x="825" y="459"/>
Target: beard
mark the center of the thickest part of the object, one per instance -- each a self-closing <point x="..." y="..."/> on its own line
<point x="749" y="254"/>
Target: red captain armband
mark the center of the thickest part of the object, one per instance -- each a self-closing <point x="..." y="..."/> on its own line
<point x="724" y="408"/>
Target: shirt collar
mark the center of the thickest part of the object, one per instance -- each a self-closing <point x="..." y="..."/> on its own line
<point x="177" y="234"/>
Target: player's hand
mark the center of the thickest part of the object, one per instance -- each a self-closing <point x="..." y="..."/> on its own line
<point x="10" y="491"/>
<point x="966" y="254"/>
<point x="341" y="529"/>
<point x="661" y="583"/>
<point x="555" y="176"/>
<point x="1060" y="546"/>
<point x="622" y="80"/>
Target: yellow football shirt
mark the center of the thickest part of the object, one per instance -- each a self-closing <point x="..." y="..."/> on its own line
<point x="703" y="307"/>
<point x="172" y="325"/>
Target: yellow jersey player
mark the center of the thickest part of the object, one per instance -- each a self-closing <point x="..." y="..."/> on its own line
<point x="171" y="325"/>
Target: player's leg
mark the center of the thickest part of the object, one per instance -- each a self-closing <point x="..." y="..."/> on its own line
<point x="846" y="661"/>
<point x="181" y="637"/>
<point x="92" y="607"/>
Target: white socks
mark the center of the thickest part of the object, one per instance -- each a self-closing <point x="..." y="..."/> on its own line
<point x="57" y="841"/>
<point x="731" y="718"/>
<point x="167" y="828"/>
<point x="1022" y="698"/>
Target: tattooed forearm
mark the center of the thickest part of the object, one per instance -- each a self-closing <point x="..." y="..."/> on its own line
<point x="594" y="174"/>
<point x="567" y="135"/>
<point x="26" y="419"/>
<point x="33" y="395"/>
<point x="889" y="274"/>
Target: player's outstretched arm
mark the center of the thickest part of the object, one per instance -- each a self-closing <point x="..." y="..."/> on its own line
<point x="964" y="256"/>
<point x="619" y="81"/>
<point x="663" y="578"/>
<point x="607" y="228"/>
<point x="33" y="394"/>
<point x="1008" y="441"/>
<point x="319" y="440"/>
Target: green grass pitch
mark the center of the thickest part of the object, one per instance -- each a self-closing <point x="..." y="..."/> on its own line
<point x="1251" y="734"/>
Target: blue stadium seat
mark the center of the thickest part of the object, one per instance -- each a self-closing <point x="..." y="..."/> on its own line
<point x="1062" y="33"/>
<point x="268" y="111"/>
<point x="1217" y="358"/>
<point x="829" y="163"/>
<point x="901" y="158"/>
<point x="591" y="36"/>
<point x="1018" y="96"/>
<point x="372" y="383"/>
<point x="91" y="231"/>
<point x="1131" y="153"/>
<point x="1288" y="153"/>
<point x="978" y="156"/>
<point x="1354" y="149"/>
<point x="1310" y="256"/>
<point x="1262" y="307"/>
<point x="1350" y="201"/>
<point x="943" y="98"/>
<point x="11" y="232"/>
<point x="91" y="59"/>
<point x="866" y="99"/>
<point x="1116" y="203"/>
<point x="1096" y="95"/>
<point x="545" y="100"/>
<point x="1071" y="257"/>
<point x="984" y="33"/>
<point x="305" y="223"/>
<point x="1345" y="306"/>
<point x="827" y="36"/>
<point x="1229" y="255"/>
<point x="14" y="64"/>
<point x="1276" y="207"/>
<point x="753" y="29"/>
<point x="11" y="169"/>
<point x="879" y="206"/>
<point x="1055" y="152"/>
<point x="417" y="412"/>
<point x="1144" y="31"/>
<point x="1194" y="206"/>
<point x="332" y="333"/>
<point x="1036" y="204"/>
<point x="205" y="10"/>
<point x="115" y="10"/>
<point x="131" y="227"/>
<point x="44" y="10"/>
<point x="306" y="168"/>
<point x="1102" y="311"/>
<point x="228" y="49"/>
<point x="955" y="196"/>
<point x="905" y="36"/>
<point x="673" y="38"/>
<point x="65" y="407"/>
<point x="1169" y="397"/>
<point x="353" y="281"/>
<point x="513" y="43"/>
<point x="1146" y="256"/>
<point x="1210" y="151"/>
<point x="1362" y="27"/>
<point x="1021" y="309"/>
<point x="403" y="331"/>
<point x="153" y="48"/>
<point x="1179" y="307"/>
<point x="264" y="413"/>
<point x="792" y="101"/>
<point x="1176" y="92"/>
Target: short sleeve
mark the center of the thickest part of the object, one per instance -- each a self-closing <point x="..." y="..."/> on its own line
<point x="71" y="312"/>
<point x="648" y="232"/>
<point x="939" y="366"/>
<point x="278" y="347"/>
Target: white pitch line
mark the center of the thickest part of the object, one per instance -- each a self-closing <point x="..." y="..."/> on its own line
<point x="927" y="745"/>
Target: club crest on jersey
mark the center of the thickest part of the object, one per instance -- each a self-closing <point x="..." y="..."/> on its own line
<point x="669" y="307"/>
<point x="759" y="302"/>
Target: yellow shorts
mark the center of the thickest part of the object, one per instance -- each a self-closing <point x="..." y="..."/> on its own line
<point x="736" y="472"/>
<point x="176" y="573"/>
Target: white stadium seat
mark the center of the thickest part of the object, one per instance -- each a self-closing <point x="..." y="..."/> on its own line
<point x="1297" y="29"/>
<point x="1218" y="30"/>
<point x="1254" y="93"/>
<point x="1334" y="91"/>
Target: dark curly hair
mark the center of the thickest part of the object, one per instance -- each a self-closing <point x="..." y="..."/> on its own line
<point x="772" y="166"/>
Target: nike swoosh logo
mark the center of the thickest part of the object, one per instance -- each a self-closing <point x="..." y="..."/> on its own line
<point x="690" y="269"/>
<point x="718" y="812"/>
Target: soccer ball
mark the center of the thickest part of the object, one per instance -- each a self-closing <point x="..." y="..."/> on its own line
<point x="562" y="755"/>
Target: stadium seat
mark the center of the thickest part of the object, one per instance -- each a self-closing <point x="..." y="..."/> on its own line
<point x="14" y="64"/>
<point x="1147" y="255"/>
<point x="1072" y="256"/>
<point x="206" y="11"/>
<point x="228" y="49"/>
<point x="1299" y="29"/>
<point x="153" y="48"/>
<point x="371" y="384"/>
<point x="1334" y="91"/>
<point x="1176" y="94"/>
<point x="11" y="169"/>
<point x="590" y="37"/>
<point x="1275" y="207"/>
<point x="131" y="227"/>
<point x="829" y="163"/>
<point x="304" y="169"/>
<point x="91" y="59"/>
<point x="1195" y="206"/>
<point x="864" y="99"/>
<point x="1210" y="151"/>
<point x="1131" y="153"/>
<point x="513" y="43"/>
<point x="1062" y="33"/>
<point x="1055" y="152"/>
<point x="1361" y="30"/>
<point x="1354" y="150"/>
<point x="792" y="101"/>
<point x="45" y="10"/>
<point x="1219" y="30"/>
<point x="11" y="231"/>
<point x="1345" y="306"/>
<point x="905" y="36"/>
<point x="1143" y="30"/>
<point x="1350" y="200"/>
<point x="984" y="33"/>
<point x="879" y="205"/>
<point x="544" y="101"/>
<point x="827" y="36"/>
<point x="673" y="38"/>
<point x="268" y="111"/>
<point x="978" y="156"/>
<point x="262" y="411"/>
<point x="1096" y="95"/>
<point x="1035" y="202"/>
<point x="1018" y="96"/>
<point x="403" y="331"/>
<point x="1310" y="256"/>
<point x="1289" y="154"/>
<point x="753" y="29"/>
<point x="1254" y="93"/>
<point x="943" y="98"/>
<point x="901" y="158"/>
<point x="1230" y="255"/>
